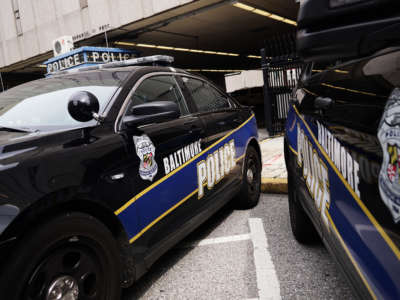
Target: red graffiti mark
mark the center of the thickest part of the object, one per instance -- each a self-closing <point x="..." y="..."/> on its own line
<point x="273" y="159"/>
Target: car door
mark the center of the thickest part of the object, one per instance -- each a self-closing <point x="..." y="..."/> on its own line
<point x="355" y="139"/>
<point x="221" y="117"/>
<point x="161" y="153"/>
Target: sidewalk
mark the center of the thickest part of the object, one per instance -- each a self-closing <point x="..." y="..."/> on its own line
<point x="273" y="175"/>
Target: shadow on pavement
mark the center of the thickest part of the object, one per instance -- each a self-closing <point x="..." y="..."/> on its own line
<point x="169" y="259"/>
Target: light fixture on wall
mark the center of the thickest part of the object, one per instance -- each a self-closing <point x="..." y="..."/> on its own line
<point x="254" y="56"/>
<point x="170" y="48"/>
<point x="175" y="48"/>
<point x="263" y="12"/>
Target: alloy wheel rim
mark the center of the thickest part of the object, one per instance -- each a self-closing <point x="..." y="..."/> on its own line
<point x="67" y="271"/>
<point x="64" y="287"/>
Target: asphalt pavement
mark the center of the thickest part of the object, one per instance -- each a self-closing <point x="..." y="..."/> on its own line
<point x="244" y="254"/>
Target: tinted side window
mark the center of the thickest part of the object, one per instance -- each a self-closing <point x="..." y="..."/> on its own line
<point x="158" y="88"/>
<point x="205" y="96"/>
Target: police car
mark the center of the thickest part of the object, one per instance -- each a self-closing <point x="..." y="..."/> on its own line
<point x="342" y="142"/>
<point x="105" y="168"/>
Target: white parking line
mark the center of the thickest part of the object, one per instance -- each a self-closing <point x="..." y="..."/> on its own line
<point x="219" y="240"/>
<point x="267" y="281"/>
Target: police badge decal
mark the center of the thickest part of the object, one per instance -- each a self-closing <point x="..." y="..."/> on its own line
<point x="146" y="151"/>
<point x="389" y="138"/>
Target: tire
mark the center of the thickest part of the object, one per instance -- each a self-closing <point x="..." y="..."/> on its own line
<point x="73" y="251"/>
<point x="302" y="228"/>
<point x="249" y="194"/>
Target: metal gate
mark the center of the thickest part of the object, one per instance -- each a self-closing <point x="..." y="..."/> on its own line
<point x="283" y="78"/>
<point x="281" y="69"/>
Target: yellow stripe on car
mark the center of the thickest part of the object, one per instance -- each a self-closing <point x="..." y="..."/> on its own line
<point x="131" y="201"/>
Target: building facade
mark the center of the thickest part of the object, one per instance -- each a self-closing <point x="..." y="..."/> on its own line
<point x="28" y="27"/>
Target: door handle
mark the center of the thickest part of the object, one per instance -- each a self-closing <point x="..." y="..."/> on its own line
<point x="237" y="121"/>
<point x="117" y="176"/>
<point x="196" y="129"/>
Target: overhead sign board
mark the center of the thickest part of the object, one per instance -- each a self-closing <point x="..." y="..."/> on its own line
<point x="89" y="33"/>
<point x="87" y="56"/>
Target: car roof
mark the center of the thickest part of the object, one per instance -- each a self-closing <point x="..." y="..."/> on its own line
<point x="133" y="69"/>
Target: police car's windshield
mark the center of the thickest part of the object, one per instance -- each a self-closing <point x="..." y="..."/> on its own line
<point x="42" y="104"/>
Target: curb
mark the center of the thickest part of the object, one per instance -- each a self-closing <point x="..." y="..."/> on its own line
<point x="274" y="185"/>
<point x="270" y="138"/>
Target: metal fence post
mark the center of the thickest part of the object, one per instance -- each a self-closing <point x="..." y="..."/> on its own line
<point x="1" y="82"/>
<point x="267" y="95"/>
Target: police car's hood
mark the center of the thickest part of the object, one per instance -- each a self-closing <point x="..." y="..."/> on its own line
<point x="18" y="146"/>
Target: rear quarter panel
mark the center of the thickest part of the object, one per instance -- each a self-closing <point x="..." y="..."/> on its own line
<point x="342" y="142"/>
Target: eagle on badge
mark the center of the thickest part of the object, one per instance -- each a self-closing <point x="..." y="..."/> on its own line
<point x="145" y="150"/>
<point x="393" y="166"/>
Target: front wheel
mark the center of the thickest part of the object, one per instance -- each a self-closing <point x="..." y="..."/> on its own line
<point x="249" y="194"/>
<point x="302" y="227"/>
<point x="73" y="256"/>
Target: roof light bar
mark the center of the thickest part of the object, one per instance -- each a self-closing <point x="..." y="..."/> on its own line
<point x="162" y="60"/>
<point x="176" y="48"/>
<point x="264" y="13"/>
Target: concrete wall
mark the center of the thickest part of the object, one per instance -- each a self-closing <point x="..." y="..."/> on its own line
<point x="45" y="20"/>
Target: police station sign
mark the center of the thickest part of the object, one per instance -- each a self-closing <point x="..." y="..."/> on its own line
<point x="86" y="56"/>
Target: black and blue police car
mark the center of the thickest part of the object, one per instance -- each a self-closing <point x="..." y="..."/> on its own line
<point x="105" y="168"/>
<point x="342" y="141"/>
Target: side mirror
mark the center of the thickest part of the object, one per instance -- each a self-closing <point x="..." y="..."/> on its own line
<point x="323" y="103"/>
<point x="83" y="106"/>
<point x="152" y="112"/>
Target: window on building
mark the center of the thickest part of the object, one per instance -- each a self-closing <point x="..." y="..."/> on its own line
<point x="17" y="17"/>
<point x="205" y="96"/>
<point x="83" y="3"/>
